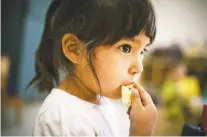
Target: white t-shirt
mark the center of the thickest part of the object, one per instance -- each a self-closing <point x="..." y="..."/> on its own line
<point x="63" y="114"/>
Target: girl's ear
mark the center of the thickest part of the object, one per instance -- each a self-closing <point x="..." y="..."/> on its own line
<point x="71" y="48"/>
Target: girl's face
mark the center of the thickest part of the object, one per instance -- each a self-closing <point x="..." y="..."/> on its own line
<point x="116" y="65"/>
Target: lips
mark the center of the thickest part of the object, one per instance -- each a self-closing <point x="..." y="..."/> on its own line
<point x="129" y="83"/>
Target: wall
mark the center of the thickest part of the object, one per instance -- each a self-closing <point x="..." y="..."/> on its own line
<point x="33" y="27"/>
<point x="11" y="30"/>
<point x="181" y="20"/>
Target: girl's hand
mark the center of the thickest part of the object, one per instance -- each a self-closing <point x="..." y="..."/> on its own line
<point x="142" y="114"/>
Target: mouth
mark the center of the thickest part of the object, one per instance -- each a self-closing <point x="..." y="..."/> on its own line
<point x="126" y="91"/>
<point x="129" y="84"/>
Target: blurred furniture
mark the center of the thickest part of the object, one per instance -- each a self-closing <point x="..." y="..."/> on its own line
<point x="156" y="69"/>
<point x="6" y="100"/>
<point x="198" y="67"/>
<point x="163" y="59"/>
<point x="160" y="62"/>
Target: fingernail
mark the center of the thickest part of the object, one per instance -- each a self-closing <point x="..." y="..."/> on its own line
<point x="129" y="109"/>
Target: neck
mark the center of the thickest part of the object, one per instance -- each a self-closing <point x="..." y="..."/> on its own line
<point x="76" y="88"/>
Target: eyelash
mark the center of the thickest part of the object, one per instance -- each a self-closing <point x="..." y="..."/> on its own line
<point x="126" y="45"/>
<point x="143" y="51"/>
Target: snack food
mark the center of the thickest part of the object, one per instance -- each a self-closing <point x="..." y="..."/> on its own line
<point x="126" y="93"/>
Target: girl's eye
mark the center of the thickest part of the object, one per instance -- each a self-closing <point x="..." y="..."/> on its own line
<point x="143" y="51"/>
<point x="125" y="48"/>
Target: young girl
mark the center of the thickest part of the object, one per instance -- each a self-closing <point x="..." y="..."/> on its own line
<point x="99" y="45"/>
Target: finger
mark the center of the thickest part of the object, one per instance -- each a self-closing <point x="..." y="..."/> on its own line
<point x="145" y="97"/>
<point x="135" y="98"/>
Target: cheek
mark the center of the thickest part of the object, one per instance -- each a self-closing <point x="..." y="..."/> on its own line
<point x="111" y="71"/>
<point x="86" y="76"/>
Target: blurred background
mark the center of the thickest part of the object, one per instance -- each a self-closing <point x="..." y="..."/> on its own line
<point x="175" y="68"/>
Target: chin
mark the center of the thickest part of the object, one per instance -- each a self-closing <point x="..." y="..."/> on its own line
<point x="114" y="96"/>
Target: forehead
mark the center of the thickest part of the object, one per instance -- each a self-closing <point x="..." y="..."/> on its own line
<point x="141" y="39"/>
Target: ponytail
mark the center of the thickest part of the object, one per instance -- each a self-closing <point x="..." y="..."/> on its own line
<point x="46" y="72"/>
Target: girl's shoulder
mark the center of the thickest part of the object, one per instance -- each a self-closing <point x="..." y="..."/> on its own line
<point x="60" y="114"/>
<point x="59" y="103"/>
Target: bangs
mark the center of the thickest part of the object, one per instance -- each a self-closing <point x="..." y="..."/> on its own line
<point x="107" y="21"/>
<point x="142" y="19"/>
<point x="127" y="19"/>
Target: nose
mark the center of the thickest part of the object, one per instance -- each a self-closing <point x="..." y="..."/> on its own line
<point x="137" y="67"/>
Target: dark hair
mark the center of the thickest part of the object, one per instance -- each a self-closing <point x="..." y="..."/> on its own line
<point x="94" y="22"/>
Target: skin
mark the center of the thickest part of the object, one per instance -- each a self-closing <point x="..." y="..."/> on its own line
<point x="116" y="65"/>
<point x="126" y="54"/>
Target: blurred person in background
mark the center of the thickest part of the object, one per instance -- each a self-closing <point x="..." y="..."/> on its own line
<point x="181" y="96"/>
